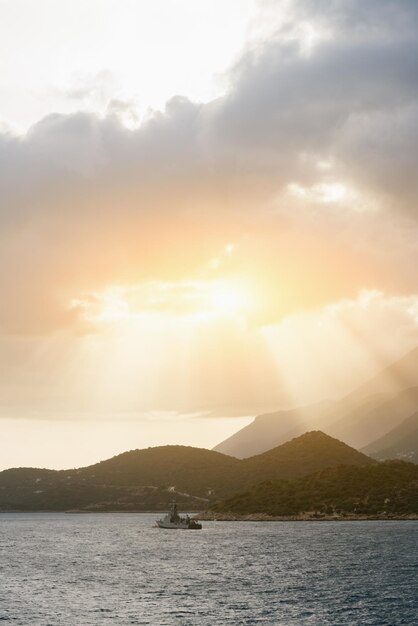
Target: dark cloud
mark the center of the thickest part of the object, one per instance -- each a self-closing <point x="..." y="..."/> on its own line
<point x="355" y="99"/>
<point x="359" y="18"/>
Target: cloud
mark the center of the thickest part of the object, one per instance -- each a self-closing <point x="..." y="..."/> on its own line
<point x="356" y="18"/>
<point x="353" y="97"/>
<point x="329" y="351"/>
<point x="88" y="203"/>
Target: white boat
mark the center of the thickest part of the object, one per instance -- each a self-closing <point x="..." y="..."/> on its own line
<point x="173" y="520"/>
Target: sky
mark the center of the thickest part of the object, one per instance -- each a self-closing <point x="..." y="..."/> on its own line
<point x="207" y="211"/>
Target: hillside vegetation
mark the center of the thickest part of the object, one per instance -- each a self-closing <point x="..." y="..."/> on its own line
<point x="300" y="456"/>
<point x="149" y="479"/>
<point x="389" y="488"/>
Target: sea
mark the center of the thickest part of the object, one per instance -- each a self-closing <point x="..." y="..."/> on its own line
<point x="116" y="568"/>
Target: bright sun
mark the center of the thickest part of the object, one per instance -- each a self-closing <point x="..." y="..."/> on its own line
<point x="227" y="298"/>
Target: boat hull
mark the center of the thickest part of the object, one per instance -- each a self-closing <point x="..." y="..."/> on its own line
<point x="173" y="526"/>
<point x="173" y="521"/>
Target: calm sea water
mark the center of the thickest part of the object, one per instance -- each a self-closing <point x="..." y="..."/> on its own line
<point x="117" y="569"/>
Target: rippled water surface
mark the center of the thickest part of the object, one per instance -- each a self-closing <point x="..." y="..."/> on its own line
<point x="118" y="569"/>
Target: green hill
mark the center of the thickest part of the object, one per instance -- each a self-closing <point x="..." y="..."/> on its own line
<point x="379" y="489"/>
<point x="137" y="480"/>
<point x="192" y="470"/>
<point x="303" y="455"/>
<point x="149" y="479"/>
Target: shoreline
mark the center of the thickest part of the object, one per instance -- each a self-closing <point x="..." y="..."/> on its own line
<point x="210" y="516"/>
<point x="82" y="512"/>
<point x="304" y="517"/>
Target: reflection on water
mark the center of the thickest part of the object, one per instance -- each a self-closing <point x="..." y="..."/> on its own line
<point x="116" y="568"/>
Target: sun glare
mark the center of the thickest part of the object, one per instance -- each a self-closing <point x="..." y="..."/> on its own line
<point x="226" y="298"/>
<point x="117" y="305"/>
<point x="114" y="309"/>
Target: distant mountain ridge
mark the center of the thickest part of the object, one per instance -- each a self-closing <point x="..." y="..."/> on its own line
<point x="149" y="479"/>
<point x="400" y="443"/>
<point x="399" y="375"/>
<point x="359" y="418"/>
